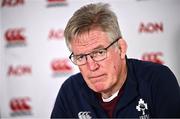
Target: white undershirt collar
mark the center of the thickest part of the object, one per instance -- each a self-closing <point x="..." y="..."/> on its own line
<point x="111" y="97"/>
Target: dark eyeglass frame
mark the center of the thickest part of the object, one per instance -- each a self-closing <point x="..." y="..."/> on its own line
<point x="105" y="49"/>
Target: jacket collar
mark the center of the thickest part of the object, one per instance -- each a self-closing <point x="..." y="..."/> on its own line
<point x="89" y="94"/>
<point x="130" y="87"/>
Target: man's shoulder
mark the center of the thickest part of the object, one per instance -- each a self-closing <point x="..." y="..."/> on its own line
<point x="147" y="66"/>
<point x="148" y="71"/>
<point x="74" y="82"/>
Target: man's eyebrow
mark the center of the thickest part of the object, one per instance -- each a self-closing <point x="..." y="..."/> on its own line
<point x="98" y="47"/>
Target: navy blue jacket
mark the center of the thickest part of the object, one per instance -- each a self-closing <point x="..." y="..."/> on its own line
<point x="151" y="90"/>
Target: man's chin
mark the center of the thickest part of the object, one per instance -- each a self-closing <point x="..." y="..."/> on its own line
<point x="99" y="88"/>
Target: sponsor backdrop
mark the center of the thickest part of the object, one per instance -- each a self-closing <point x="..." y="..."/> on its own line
<point x="34" y="59"/>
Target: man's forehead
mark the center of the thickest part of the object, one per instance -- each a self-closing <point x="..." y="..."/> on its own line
<point x="84" y="41"/>
<point x="93" y="35"/>
<point x="85" y="46"/>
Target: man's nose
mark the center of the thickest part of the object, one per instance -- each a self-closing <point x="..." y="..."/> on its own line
<point x="92" y="65"/>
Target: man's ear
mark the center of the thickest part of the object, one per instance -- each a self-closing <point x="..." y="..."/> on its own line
<point x="123" y="47"/>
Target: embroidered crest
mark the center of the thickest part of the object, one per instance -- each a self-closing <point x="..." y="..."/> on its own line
<point x="142" y="106"/>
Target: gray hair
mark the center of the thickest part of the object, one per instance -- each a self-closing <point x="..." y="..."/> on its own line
<point x="98" y="15"/>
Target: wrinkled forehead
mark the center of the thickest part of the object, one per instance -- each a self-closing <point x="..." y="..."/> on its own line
<point x="89" y="40"/>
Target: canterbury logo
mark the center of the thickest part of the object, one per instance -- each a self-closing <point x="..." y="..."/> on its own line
<point x="15" y="35"/>
<point x="84" y="115"/>
<point x="19" y="105"/>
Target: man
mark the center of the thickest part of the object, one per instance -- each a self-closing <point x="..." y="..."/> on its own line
<point x="109" y="84"/>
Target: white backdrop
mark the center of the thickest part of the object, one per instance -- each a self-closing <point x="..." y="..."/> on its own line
<point x="33" y="55"/>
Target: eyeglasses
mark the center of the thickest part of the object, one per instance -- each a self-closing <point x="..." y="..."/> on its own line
<point x="96" y="55"/>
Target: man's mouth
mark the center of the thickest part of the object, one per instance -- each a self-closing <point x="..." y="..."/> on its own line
<point x="97" y="78"/>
